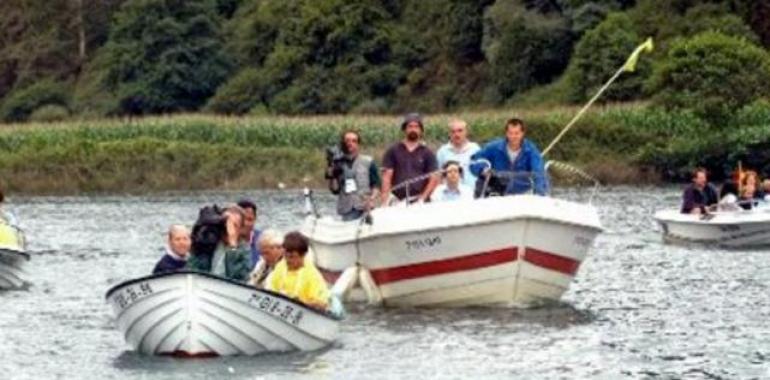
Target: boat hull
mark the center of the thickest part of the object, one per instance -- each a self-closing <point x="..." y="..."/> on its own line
<point x="735" y="229"/>
<point x="520" y="250"/>
<point x="12" y="258"/>
<point x="195" y="314"/>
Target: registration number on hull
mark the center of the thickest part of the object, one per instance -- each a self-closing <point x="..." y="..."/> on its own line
<point x="276" y="307"/>
<point x="130" y="295"/>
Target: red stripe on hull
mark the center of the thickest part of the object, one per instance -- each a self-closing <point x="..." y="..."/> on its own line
<point x="432" y="268"/>
<point x="551" y="261"/>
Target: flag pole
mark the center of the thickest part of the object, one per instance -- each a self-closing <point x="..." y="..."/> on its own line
<point x="628" y="66"/>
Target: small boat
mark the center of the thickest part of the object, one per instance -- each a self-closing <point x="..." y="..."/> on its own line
<point x="519" y="250"/>
<point x="197" y="314"/>
<point x="735" y="228"/>
<point x="13" y="256"/>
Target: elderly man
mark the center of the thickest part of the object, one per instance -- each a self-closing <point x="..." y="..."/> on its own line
<point x="459" y="149"/>
<point x="517" y="160"/>
<point x="271" y="246"/>
<point x="228" y="259"/>
<point x="354" y="178"/>
<point x="408" y="160"/>
<point x="176" y="251"/>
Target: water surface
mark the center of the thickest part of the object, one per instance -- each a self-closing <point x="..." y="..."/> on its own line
<point x="637" y="309"/>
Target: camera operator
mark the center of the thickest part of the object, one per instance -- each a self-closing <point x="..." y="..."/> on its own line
<point x="353" y="177"/>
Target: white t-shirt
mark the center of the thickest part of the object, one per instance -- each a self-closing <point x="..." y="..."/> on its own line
<point x="443" y="193"/>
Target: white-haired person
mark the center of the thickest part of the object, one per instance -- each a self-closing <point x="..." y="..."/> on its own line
<point x="176" y="251"/>
<point x="271" y="252"/>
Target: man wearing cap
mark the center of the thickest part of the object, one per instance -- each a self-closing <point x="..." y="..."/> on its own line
<point x="407" y="160"/>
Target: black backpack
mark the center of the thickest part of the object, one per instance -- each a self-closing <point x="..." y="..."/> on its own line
<point x="208" y="230"/>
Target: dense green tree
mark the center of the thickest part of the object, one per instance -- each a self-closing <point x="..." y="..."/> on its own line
<point x="713" y="74"/>
<point x="165" y="55"/>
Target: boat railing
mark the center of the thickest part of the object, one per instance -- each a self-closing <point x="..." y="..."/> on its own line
<point x="570" y="170"/>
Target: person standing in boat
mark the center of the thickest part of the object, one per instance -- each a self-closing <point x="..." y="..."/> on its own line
<point x="409" y="160"/>
<point x="516" y="160"/>
<point x="176" y="251"/>
<point x="271" y="246"/>
<point x="298" y="278"/>
<point x="453" y="188"/>
<point x="215" y="246"/>
<point x="353" y="177"/>
<point x="250" y="234"/>
<point x="459" y="149"/>
<point x="699" y="194"/>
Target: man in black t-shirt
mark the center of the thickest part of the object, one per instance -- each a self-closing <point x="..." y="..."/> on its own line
<point x="407" y="160"/>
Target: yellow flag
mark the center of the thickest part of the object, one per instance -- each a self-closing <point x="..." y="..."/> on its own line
<point x="630" y="64"/>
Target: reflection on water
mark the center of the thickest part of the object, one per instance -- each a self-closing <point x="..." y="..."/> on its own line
<point x="637" y="309"/>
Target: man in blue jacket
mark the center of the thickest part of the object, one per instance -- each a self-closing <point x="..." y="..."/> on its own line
<point x="516" y="164"/>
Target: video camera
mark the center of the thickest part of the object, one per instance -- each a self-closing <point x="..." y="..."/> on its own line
<point x="334" y="158"/>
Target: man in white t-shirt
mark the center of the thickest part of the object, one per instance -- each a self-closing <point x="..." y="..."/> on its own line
<point x="459" y="149"/>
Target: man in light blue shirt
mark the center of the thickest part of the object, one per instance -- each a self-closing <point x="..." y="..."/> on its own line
<point x="459" y="149"/>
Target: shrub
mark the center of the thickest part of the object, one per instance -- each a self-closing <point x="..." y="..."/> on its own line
<point x="712" y="74"/>
<point x="599" y="54"/>
<point x="20" y="103"/>
<point x="49" y="113"/>
<point x="239" y="94"/>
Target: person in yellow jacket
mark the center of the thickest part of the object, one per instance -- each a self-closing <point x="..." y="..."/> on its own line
<point x="296" y="278"/>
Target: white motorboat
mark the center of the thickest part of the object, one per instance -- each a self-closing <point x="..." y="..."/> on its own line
<point x="735" y="228"/>
<point x="13" y="256"/>
<point x="513" y="250"/>
<point x="196" y="314"/>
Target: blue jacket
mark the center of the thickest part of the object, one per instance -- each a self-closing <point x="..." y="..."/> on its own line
<point x="529" y="160"/>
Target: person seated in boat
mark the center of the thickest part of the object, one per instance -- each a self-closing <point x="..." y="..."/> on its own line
<point x="728" y="197"/>
<point x="699" y="195"/>
<point x="298" y="278"/>
<point x="514" y="155"/>
<point x="751" y="178"/>
<point x="408" y="165"/>
<point x="249" y="234"/>
<point x="271" y="246"/>
<point x="215" y="247"/>
<point x="5" y="215"/>
<point x="176" y="250"/>
<point x="353" y="177"/>
<point x="453" y="188"/>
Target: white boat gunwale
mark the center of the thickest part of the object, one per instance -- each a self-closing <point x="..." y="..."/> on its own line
<point x="124" y="284"/>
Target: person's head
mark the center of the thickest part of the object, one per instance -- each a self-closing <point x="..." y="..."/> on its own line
<point x="748" y="190"/>
<point x="750" y="178"/>
<point x="515" y="129"/>
<point x="249" y="217"/>
<point x="699" y="177"/>
<point x="458" y="132"/>
<point x="235" y="215"/>
<point x="179" y="240"/>
<point x="350" y="142"/>
<point x="271" y="246"/>
<point x="294" y="249"/>
<point x="412" y="127"/>
<point x="453" y="173"/>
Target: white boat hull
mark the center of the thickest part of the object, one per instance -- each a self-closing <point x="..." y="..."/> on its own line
<point x="12" y="258"/>
<point x="735" y="229"/>
<point x="517" y="250"/>
<point x="194" y="314"/>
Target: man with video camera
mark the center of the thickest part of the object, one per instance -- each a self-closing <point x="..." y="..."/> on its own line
<point x="353" y="177"/>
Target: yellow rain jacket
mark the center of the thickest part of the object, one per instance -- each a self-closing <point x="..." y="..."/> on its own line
<point x="304" y="284"/>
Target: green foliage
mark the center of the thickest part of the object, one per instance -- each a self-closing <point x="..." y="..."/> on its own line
<point x="22" y="102"/>
<point x="242" y="92"/>
<point x="599" y="54"/>
<point x="165" y="55"/>
<point x="49" y="113"/>
<point x="713" y="74"/>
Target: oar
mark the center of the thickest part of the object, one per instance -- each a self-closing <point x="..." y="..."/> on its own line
<point x="629" y="66"/>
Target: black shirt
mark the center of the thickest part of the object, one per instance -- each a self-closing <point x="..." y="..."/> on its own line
<point x="407" y="165"/>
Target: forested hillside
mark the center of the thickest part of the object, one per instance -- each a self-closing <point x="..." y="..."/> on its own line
<point x="88" y="58"/>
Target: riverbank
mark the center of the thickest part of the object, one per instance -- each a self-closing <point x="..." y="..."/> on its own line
<point x="628" y="143"/>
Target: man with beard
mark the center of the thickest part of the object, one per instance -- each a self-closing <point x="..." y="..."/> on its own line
<point x="408" y="160"/>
